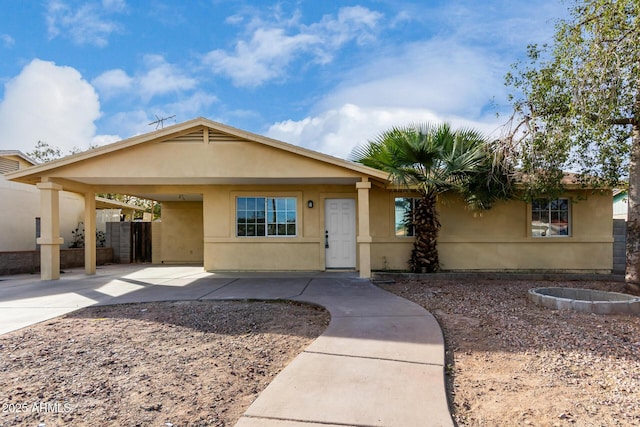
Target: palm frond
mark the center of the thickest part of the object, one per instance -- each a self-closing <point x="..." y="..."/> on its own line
<point x="435" y="158"/>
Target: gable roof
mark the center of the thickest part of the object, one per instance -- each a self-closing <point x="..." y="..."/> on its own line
<point x="183" y="144"/>
<point x="17" y="153"/>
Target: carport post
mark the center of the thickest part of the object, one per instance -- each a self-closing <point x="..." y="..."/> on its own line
<point x="90" y="233"/>
<point x="49" y="239"/>
<point x="364" y="236"/>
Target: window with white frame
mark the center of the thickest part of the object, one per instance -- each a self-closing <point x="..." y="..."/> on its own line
<point x="550" y="217"/>
<point x="266" y="216"/>
<point x="404" y="216"/>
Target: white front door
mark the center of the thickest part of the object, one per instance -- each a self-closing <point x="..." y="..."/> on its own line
<point x="340" y="233"/>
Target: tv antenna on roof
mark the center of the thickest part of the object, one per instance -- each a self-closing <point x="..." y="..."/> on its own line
<point x="159" y="122"/>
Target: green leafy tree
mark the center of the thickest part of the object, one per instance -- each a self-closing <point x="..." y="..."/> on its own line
<point x="433" y="159"/>
<point x="44" y="152"/>
<point x="577" y="107"/>
<point x="148" y="205"/>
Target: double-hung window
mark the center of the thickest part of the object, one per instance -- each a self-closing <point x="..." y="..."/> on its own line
<point x="550" y="217"/>
<point x="404" y="216"/>
<point x="266" y="216"/>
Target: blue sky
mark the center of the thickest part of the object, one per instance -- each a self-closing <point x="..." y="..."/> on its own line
<point x="325" y="75"/>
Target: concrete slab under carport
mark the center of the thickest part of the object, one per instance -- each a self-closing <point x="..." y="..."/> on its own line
<point x="26" y="300"/>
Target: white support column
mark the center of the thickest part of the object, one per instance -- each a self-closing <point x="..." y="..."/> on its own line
<point x="90" y="233"/>
<point x="49" y="239"/>
<point x="364" y="233"/>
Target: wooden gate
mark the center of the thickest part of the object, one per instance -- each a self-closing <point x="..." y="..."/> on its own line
<point x="140" y="242"/>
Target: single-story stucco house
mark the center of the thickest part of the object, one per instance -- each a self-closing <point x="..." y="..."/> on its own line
<point x="20" y="207"/>
<point x="237" y="201"/>
<point x="620" y="203"/>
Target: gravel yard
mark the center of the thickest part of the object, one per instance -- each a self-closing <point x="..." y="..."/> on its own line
<point x="511" y="362"/>
<point x="155" y="364"/>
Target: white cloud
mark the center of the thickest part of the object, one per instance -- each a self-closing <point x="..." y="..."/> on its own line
<point x="352" y="23"/>
<point x="114" y="5"/>
<point x="263" y="58"/>
<point x="234" y="19"/>
<point x="457" y="79"/>
<point x="7" y="40"/>
<point x="112" y="82"/>
<point x="158" y="78"/>
<point x="138" y="121"/>
<point x="190" y="106"/>
<point x="338" y="131"/>
<point x="272" y="47"/>
<point x="130" y="123"/>
<point x="440" y="75"/>
<point x="49" y="103"/>
<point x="86" y="23"/>
<point x="435" y="80"/>
<point x="496" y="24"/>
<point x="162" y="77"/>
<point x="105" y="139"/>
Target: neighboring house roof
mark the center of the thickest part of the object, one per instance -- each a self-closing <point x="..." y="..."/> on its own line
<point x="620" y="204"/>
<point x="178" y="155"/>
<point x="14" y="160"/>
<point x="570" y="180"/>
<point x="6" y="153"/>
<point x="619" y="192"/>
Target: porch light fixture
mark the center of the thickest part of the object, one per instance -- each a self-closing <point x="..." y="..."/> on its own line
<point x="310" y="204"/>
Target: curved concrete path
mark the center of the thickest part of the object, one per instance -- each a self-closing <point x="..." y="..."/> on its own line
<point x="380" y="362"/>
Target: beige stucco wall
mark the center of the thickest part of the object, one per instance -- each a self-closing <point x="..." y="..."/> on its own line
<point x="500" y="239"/>
<point x="156" y="242"/>
<point x="19" y="207"/>
<point x="181" y="234"/>
<point x="304" y="252"/>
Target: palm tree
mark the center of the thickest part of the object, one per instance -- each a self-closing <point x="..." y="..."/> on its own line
<point x="433" y="159"/>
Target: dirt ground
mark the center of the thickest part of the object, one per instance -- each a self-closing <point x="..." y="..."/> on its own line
<point x="155" y="364"/>
<point x="512" y="363"/>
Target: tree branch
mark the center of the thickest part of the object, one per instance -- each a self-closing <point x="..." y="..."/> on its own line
<point x="620" y="121"/>
<point x="624" y="121"/>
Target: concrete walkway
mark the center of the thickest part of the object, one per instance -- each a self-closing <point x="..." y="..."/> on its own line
<point x="379" y="363"/>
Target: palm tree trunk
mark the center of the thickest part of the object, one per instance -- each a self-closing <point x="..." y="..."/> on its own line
<point x="632" y="276"/>
<point x="424" y="257"/>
